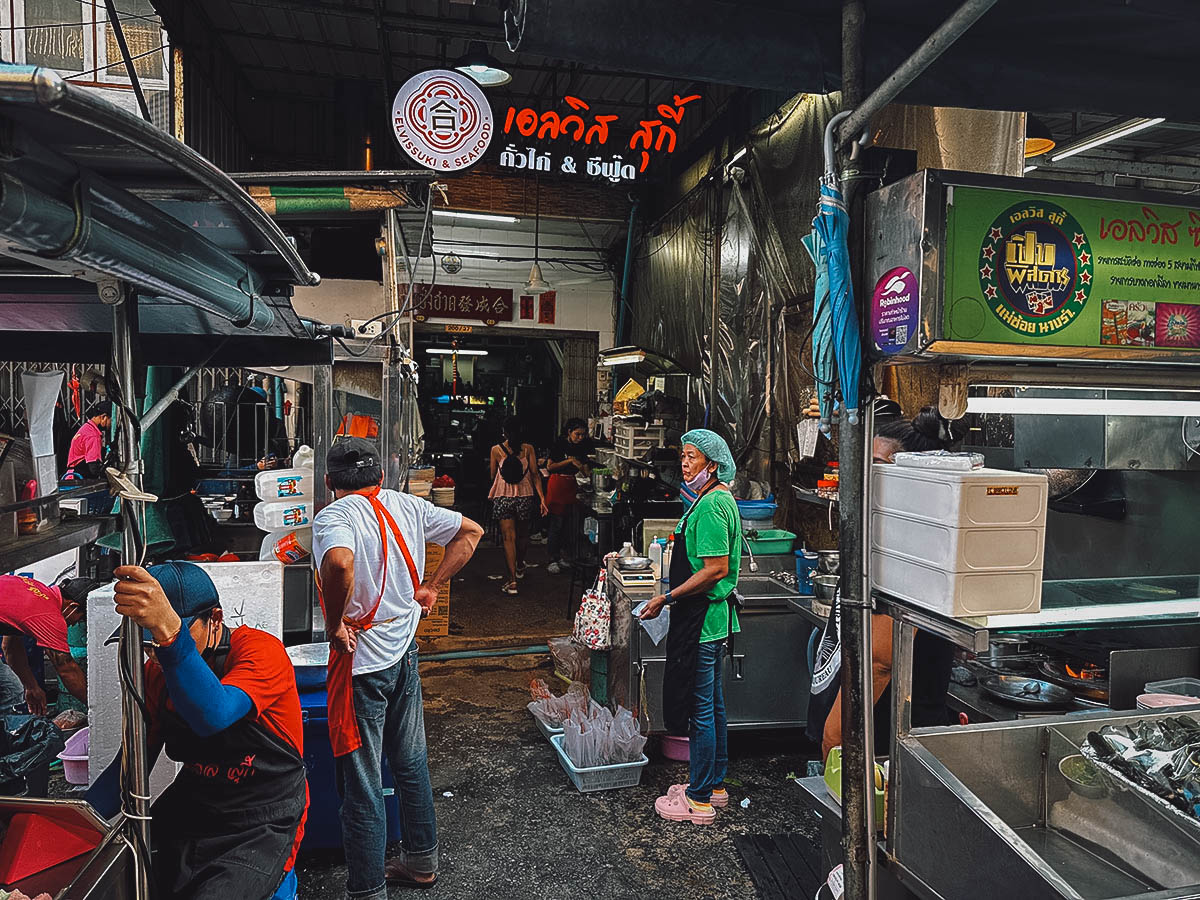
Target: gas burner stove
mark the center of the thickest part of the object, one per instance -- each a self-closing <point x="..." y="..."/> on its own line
<point x="1086" y="679"/>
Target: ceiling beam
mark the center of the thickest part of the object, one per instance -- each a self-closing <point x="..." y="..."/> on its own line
<point x="374" y="51"/>
<point x="511" y="99"/>
<point x="437" y="27"/>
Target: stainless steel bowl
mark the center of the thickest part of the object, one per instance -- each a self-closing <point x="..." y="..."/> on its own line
<point x="825" y="587"/>
<point x="633" y="563"/>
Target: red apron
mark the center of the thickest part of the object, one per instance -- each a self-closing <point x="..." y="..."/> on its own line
<point x="560" y="493"/>
<point x="343" y="724"/>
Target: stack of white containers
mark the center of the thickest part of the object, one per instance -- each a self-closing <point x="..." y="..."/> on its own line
<point x="286" y="511"/>
<point x="963" y="543"/>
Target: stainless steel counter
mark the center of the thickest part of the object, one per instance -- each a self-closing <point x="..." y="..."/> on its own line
<point x="766" y="676"/>
<point x="990" y="799"/>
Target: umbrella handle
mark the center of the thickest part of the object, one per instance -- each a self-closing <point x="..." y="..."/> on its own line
<point x="833" y="123"/>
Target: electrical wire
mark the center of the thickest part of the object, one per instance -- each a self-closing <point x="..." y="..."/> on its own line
<point x="426" y="230"/>
<point x="113" y="65"/>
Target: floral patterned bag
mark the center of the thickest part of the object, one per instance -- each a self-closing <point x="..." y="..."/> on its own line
<point x="594" y="617"/>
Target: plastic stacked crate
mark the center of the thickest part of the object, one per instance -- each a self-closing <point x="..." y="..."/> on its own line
<point x="633" y="441"/>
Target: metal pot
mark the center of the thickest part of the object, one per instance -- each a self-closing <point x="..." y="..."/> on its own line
<point x="828" y="562"/>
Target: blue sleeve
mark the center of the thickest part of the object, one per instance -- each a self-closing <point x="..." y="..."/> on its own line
<point x="206" y="705"/>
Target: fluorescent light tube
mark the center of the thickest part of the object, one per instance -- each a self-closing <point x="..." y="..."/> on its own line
<point x="1067" y="406"/>
<point x="1113" y="134"/>
<point x="476" y="217"/>
<point x="623" y="359"/>
<point x="446" y="351"/>
<point x="1029" y="169"/>
<point x="736" y="156"/>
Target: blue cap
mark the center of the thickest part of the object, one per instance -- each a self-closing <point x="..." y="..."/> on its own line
<point x="188" y="588"/>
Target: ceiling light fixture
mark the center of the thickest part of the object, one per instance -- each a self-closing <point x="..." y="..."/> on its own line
<point x="1108" y="135"/>
<point x="1067" y="406"/>
<point x="623" y="359"/>
<point x="1029" y="169"/>
<point x="482" y="66"/>
<point x="476" y="217"/>
<point x="737" y="156"/>
<point x="1038" y="139"/>
<point x="446" y="351"/>
<point x="536" y="284"/>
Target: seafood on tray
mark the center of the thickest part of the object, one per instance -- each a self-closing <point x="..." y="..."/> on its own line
<point x="1160" y="756"/>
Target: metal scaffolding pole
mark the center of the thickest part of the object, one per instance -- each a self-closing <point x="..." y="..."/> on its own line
<point x="854" y="452"/>
<point x="135" y="780"/>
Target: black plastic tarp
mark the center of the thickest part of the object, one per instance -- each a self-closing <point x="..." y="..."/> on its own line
<point x="1124" y="57"/>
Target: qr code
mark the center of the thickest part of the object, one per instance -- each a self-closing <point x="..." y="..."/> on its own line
<point x="901" y="334"/>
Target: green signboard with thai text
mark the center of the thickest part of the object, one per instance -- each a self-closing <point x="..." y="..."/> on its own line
<point x="1071" y="271"/>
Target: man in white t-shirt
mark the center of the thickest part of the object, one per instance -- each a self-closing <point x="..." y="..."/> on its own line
<point x="369" y="547"/>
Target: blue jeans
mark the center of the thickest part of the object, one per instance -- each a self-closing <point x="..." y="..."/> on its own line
<point x="391" y="722"/>
<point x="708" y="740"/>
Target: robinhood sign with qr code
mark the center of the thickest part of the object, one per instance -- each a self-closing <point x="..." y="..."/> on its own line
<point x="1072" y="271"/>
<point x="967" y="265"/>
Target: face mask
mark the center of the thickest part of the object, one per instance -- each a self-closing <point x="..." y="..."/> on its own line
<point x="699" y="481"/>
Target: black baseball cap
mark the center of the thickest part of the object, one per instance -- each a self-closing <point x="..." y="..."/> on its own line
<point x="76" y="590"/>
<point x="188" y="588"/>
<point x="350" y="453"/>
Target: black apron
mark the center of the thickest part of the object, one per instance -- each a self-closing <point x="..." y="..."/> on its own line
<point x="683" y="636"/>
<point x="226" y="826"/>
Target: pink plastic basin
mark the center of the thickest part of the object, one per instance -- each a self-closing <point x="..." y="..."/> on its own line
<point x="75" y="757"/>
<point x="675" y="748"/>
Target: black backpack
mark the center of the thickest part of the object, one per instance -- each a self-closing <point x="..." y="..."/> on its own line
<point x="511" y="469"/>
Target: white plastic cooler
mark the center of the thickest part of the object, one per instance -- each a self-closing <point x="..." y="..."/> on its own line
<point x="963" y="543"/>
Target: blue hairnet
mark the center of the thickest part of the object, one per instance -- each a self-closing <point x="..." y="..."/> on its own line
<point x="713" y="446"/>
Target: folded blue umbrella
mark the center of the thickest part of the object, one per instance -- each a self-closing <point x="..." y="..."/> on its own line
<point x="833" y="224"/>
<point x="822" y="333"/>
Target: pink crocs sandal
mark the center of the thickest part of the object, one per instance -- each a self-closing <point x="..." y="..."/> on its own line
<point x="676" y="807"/>
<point x="719" y="798"/>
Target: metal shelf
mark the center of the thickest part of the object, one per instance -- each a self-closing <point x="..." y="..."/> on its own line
<point x="808" y="495"/>
<point x="70" y="535"/>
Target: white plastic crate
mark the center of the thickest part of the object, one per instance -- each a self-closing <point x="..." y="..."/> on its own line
<point x="958" y="549"/>
<point x="599" y="778"/>
<point x="997" y="593"/>
<point x="980" y="498"/>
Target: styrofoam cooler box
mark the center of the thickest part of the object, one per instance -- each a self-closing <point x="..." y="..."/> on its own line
<point x="963" y="543"/>
<point x="986" y="498"/>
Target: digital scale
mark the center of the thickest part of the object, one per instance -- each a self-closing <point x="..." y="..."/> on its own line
<point x="641" y="578"/>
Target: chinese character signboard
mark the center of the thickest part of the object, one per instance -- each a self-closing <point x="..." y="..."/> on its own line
<point x="487" y="305"/>
<point x="526" y="306"/>
<point x="1071" y="271"/>
<point x="442" y="120"/>
<point x="547" y="303"/>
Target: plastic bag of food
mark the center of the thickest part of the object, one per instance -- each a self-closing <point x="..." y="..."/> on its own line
<point x="70" y="719"/>
<point x="553" y="711"/>
<point x="571" y="660"/>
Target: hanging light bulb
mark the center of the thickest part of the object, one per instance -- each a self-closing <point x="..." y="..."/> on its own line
<point x="536" y="283"/>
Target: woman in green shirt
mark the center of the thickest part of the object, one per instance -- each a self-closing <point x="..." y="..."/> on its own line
<point x="704" y="573"/>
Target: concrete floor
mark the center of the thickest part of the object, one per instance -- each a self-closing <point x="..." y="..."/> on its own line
<point x="515" y="827"/>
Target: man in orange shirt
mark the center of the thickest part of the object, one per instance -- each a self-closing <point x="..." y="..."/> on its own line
<point x="224" y="704"/>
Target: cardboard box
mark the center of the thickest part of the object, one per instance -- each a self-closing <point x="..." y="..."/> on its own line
<point x="437" y="623"/>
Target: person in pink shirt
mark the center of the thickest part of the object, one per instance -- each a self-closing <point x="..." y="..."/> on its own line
<point x="31" y="609"/>
<point x="84" y="459"/>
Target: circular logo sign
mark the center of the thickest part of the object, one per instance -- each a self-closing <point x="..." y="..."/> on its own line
<point x="894" y="305"/>
<point x="442" y="120"/>
<point x="1035" y="268"/>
